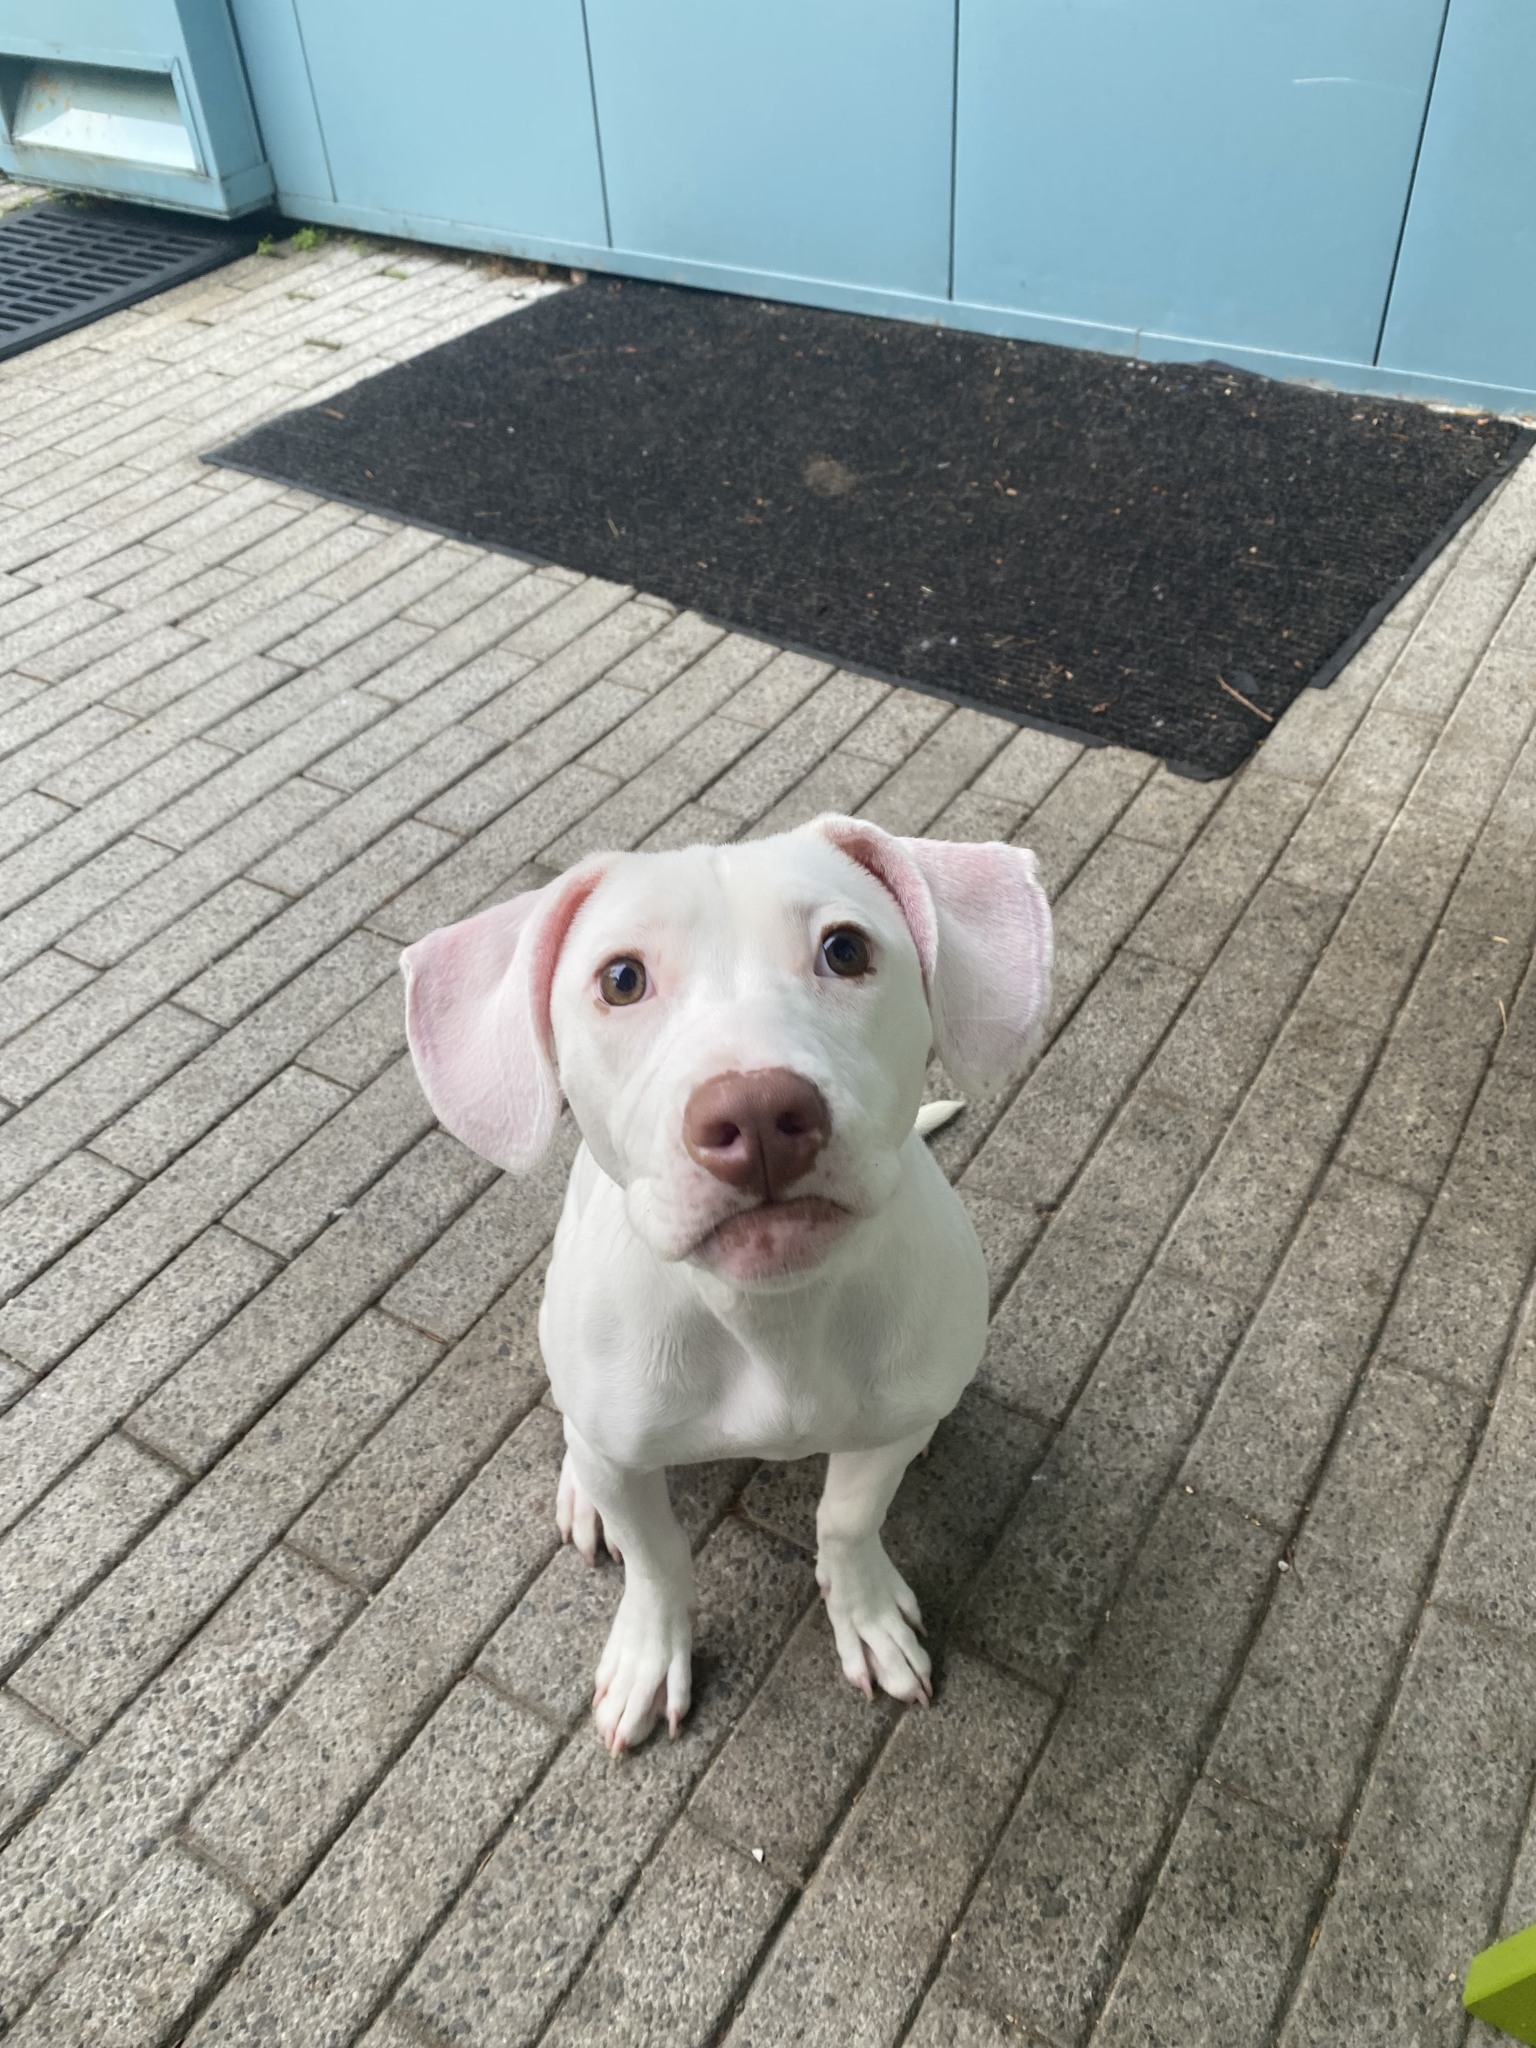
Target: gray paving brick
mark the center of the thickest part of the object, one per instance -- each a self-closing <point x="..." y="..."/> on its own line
<point x="527" y="697"/>
<point x="49" y="758"/>
<point x="98" y="882"/>
<point x="55" y="1212"/>
<point x="1214" y="1953"/>
<point x="948" y="2019"/>
<point x="400" y="547"/>
<point x="185" y="879"/>
<point x="27" y="816"/>
<point x="1068" y="823"/>
<point x="222" y="1387"/>
<point x="168" y="1118"/>
<point x="773" y="692"/>
<point x="1457" y="1299"/>
<point x="65" y="1304"/>
<point x="509" y="618"/>
<point x="34" y="1755"/>
<point x="1486" y="1571"/>
<point x="1038" y="1600"/>
<point x="1217" y="1046"/>
<point x="522" y="1930"/>
<point x="667" y="653"/>
<point x="1064" y="1305"/>
<point x="1306" y="1714"/>
<point x="298" y="1785"/>
<point x="633" y="811"/>
<point x="900" y="724"/>
<point x="514" y="770"/>
<point x="47" y="980"/>
<point x="840" y="781"/>
<point x="309" y="689"/>
<point x="1099" y="908"/>
<point x="1434" y="667"/>
<point x="796" y="1757"/>
<point x="37" y="1056"/>
<point x="389" y="1494"/>
<point x="474" y="578"/>
<point x="667" y="715"/>
<point x="54" y="857"/>
<point x="358" y="1046"/>
<point x="1411" y="1116"/>
<point x="773" y="766"/>
<point x="195" y="713"/>
<point x="1033" y="1149"/>
<point x="1044" y="1933"/>
<point x="1250" y="1198"/>
<point x="382" y="613"/>
<point x="125" y="1797"/>
<point x="976" y="819"/>
<point x="89" y="1520"/>
<point x="1270" y="1426"/>
<point x="144" y="1964"/>
<point x="1493" y="893"/>
<point x="43" y="1133"/>
<point x="322" y="1965"/>
<point x="672" y="1963"/>
<point x="945" y="763"/>
<point x="1430" y="1853"/>
<point x="1172" y="810"/>
<point x="855" y="1952"/>
<point x="1385" y="753"/>
<point x="243" y="780"/>
<point x="63" y="1415"/>
<point x="482" y="1252"/>
<point x="482" y="870"/>
<point x="394" y="736"/>
<point x="296" y="1201"/>
<point x="104" y="1653"/>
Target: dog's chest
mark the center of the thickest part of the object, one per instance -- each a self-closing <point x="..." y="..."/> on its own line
<point x="687" y="1388"/>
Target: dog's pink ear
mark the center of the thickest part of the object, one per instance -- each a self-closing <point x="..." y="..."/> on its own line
<point x="477" y="1019"/>
<point x="982" y="928"/>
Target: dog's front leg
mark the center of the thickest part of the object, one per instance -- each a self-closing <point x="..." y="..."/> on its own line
<point x="645" y="1669"/>
<point x="872" y="1609"/>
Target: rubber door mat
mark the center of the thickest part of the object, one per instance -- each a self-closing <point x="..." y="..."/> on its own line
<point x="63" y="265"/>
<point x="1158" y="555"/>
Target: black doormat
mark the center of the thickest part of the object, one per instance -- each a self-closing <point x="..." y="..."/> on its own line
<point x="63" y="265"/>
<point x="1119" y="550"/>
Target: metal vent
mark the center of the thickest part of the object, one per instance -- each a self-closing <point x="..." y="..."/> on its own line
<point x="61" y="266"/>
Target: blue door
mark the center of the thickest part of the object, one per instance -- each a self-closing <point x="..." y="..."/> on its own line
<point x="473" y="113"/>
<point x="1464" y="302"/>
<point x="1231" y="171"/>
<point x="802" y="138"/>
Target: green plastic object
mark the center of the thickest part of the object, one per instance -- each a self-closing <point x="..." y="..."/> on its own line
<point x="1501" y="1986"/>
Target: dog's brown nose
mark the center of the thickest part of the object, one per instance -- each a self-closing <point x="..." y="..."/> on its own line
<point x="759" y="1131"/>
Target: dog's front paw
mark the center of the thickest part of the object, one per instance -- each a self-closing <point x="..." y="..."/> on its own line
<point x="577" y="1518"/>
<point x="646" y="1669"/>
<point x="874" y="1613"/>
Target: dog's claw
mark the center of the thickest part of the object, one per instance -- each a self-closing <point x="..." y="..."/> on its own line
<point x="874" y="1614"/>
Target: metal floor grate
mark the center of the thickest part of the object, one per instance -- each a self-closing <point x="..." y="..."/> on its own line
<point x="61" y="266"/>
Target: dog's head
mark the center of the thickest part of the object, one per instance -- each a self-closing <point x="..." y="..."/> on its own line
<point x="741" y="1031"/>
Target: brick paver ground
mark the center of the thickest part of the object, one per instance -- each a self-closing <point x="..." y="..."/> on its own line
<point x="1230" y="1552"/>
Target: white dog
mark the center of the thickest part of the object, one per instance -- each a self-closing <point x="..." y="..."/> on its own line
<point x="757" y="1254"/>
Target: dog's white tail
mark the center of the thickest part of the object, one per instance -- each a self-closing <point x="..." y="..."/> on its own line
<point x="933" y="1116"/>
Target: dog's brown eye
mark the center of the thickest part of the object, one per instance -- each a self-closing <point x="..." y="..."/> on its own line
<point x="621" y="982"/>
<point x="845" y="952"/>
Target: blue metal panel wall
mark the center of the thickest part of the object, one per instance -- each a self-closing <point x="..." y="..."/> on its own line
<point x="1228" y="170"/>
<point x="1464" y="300"/>
<point x="290" y="125"/>
<point x="807" y="138"/>
<point x="474" y="112"/>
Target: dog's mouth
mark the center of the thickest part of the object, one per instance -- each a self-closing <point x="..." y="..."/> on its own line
<point x="774" y="1239"/>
